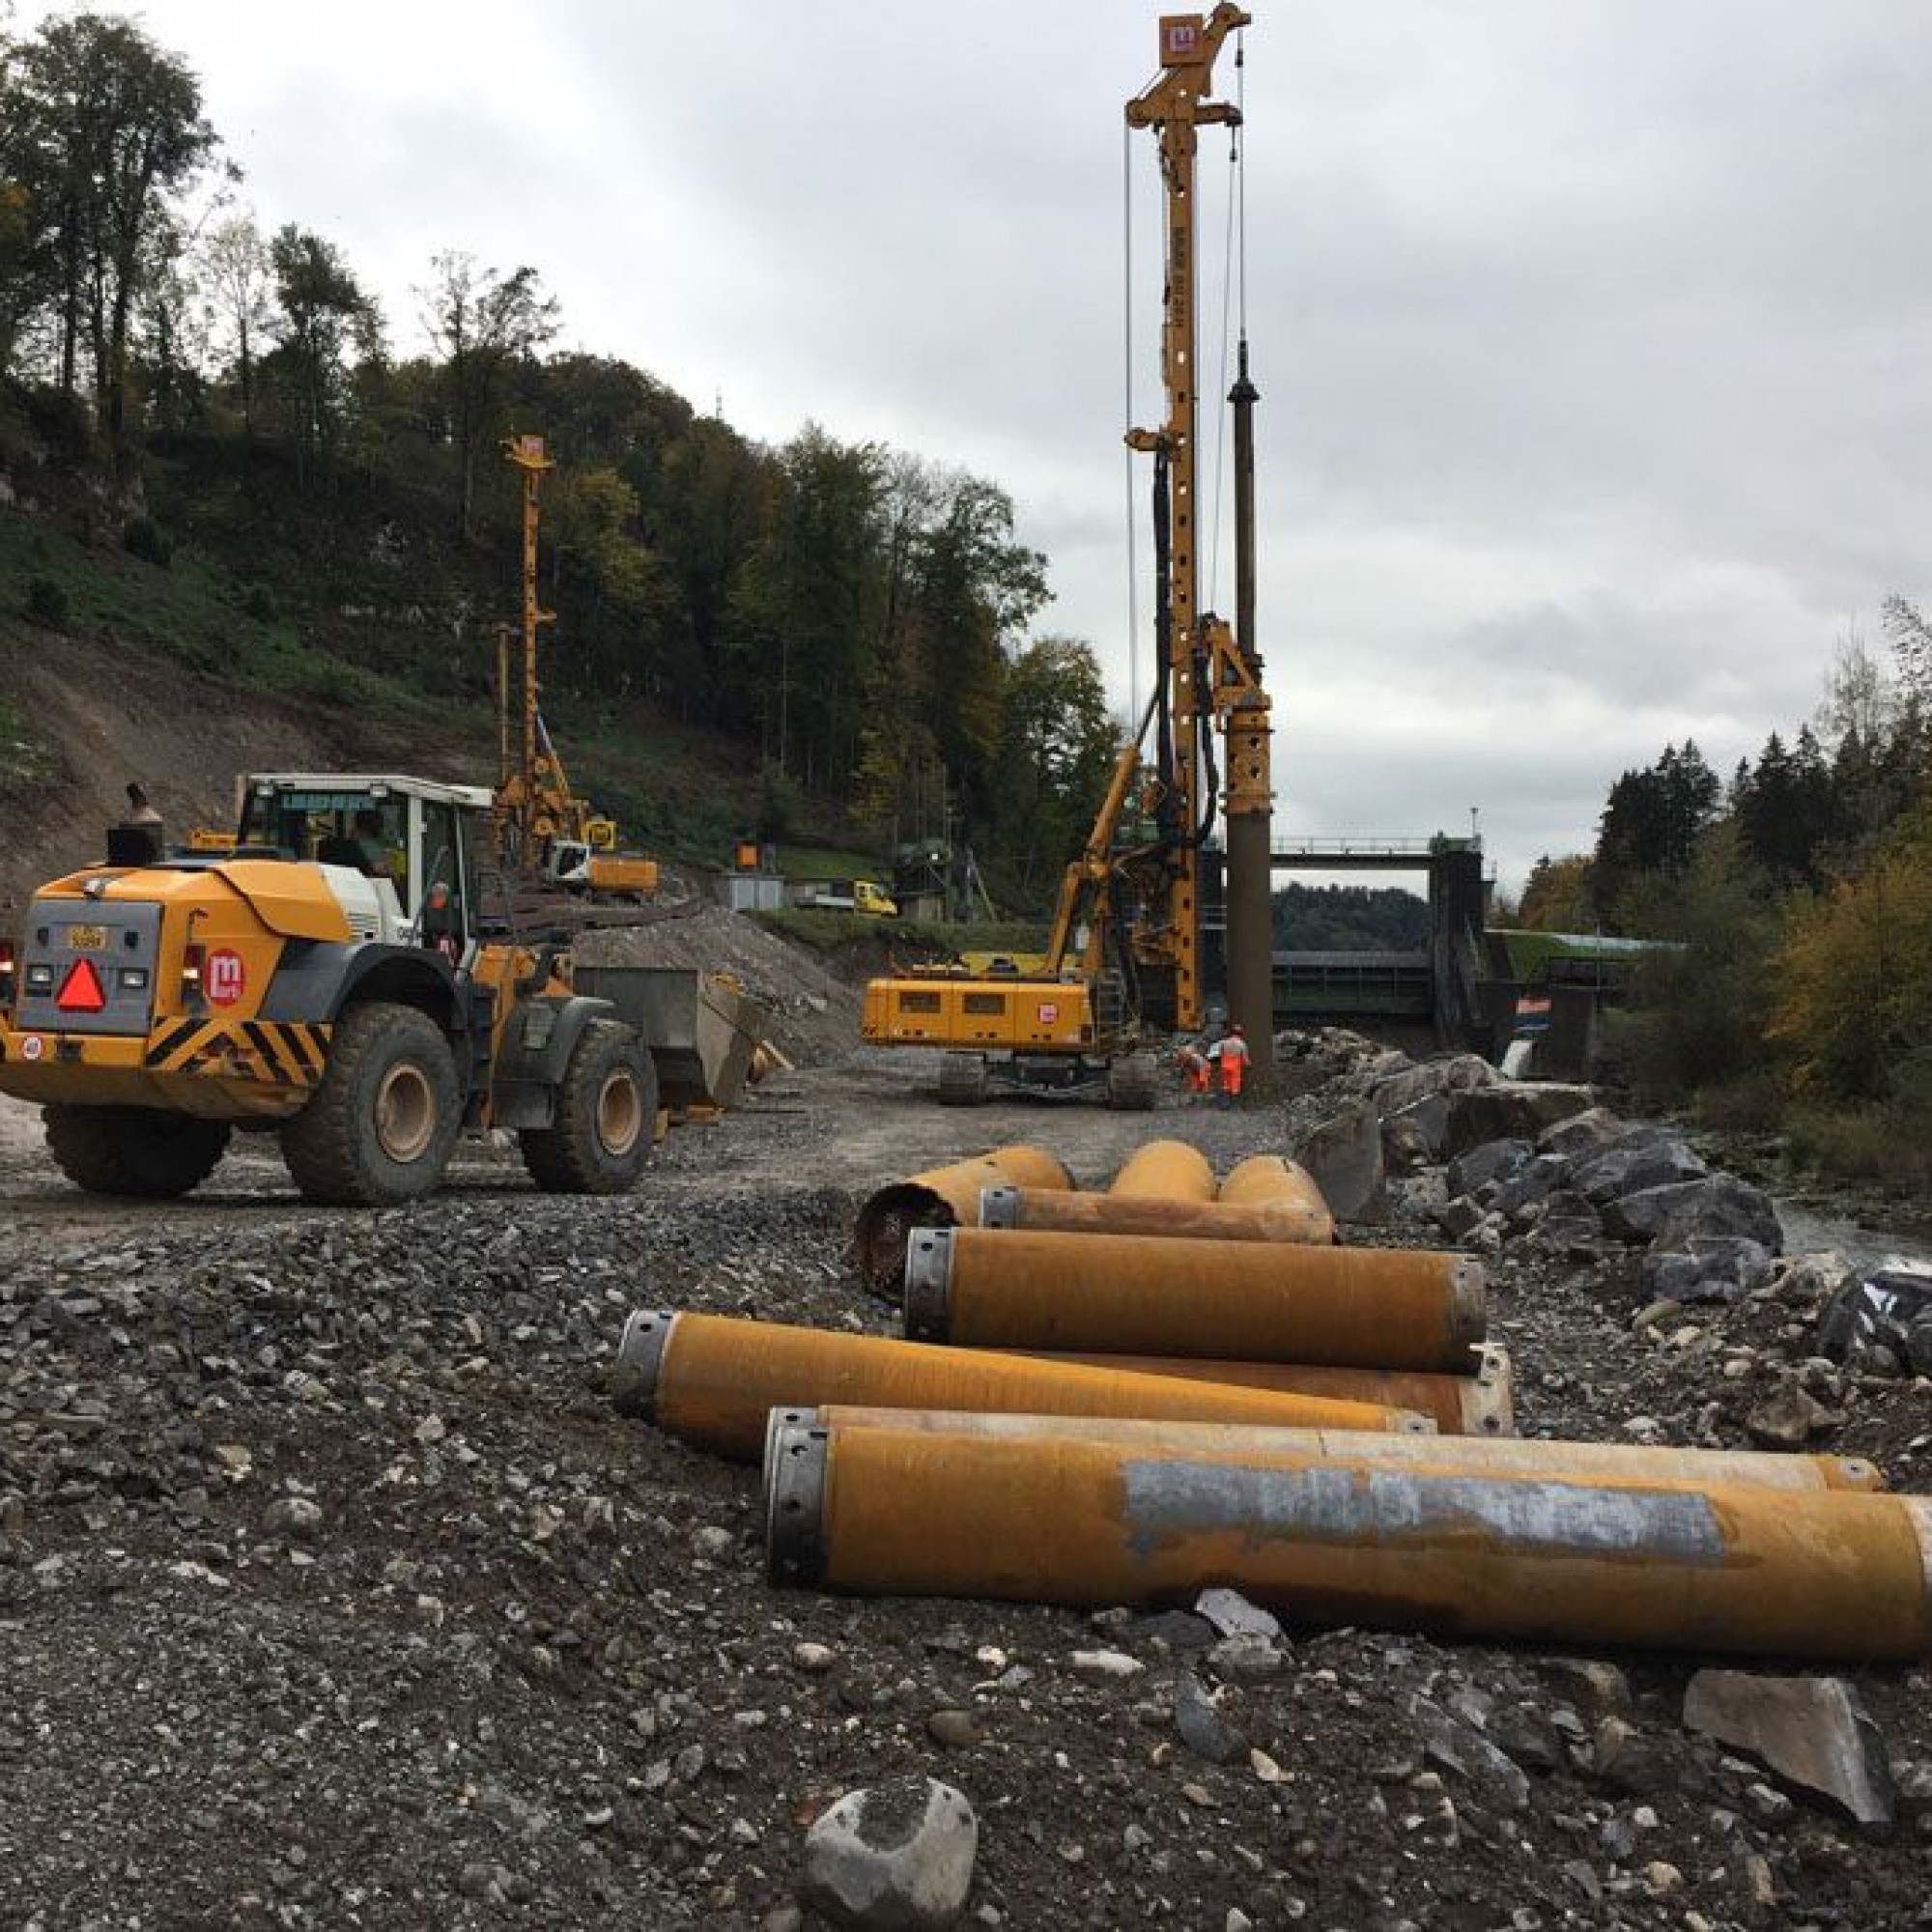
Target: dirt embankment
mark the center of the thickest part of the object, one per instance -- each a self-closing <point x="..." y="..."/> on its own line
<point x="109" y="716"/>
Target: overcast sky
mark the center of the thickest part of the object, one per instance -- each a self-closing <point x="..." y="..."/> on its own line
<point x="1594" y="336"/>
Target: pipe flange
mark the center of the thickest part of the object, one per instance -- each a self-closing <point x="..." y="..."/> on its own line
<point x="999" y="1207"/>
<point x="1412" y="1422"/>
<point x="796" y="1458"/>
<point x="640" y="1351"/>
<point x="928" y="1284"/>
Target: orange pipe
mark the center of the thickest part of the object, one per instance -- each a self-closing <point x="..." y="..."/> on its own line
<point x="1517" y="1456"/>
<point x="1045" y="1212"/>
<point x="1725" y="1567"/>
<point x="1480" y="1403"/>
<point x="942" y="1197"/>
<point x="1366" y="1308"/>
<point x="1267" y="1180"/>
<point x="713" y="1380"/>
<point x="1164" y="1171"/>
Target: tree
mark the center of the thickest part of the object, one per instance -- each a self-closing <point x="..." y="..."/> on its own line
<point x="100" y="127"/>
<point x="1651" y="824"/>
<point x="1058" y="745"/>
<point x="1855" y="972"/>
<point x="481" y="323"/>
<point x="239" y="269"/>
<point x="1557" y="896"/>
<point x="322" y="311"/>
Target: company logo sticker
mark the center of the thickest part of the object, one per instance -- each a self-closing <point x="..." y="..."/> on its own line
<point x="1048" y="1014"/>
<point x="33" y="1046"/>
<point x="225" y="978"/>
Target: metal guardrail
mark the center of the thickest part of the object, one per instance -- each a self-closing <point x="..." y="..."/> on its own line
<point x="1369" y="846"/>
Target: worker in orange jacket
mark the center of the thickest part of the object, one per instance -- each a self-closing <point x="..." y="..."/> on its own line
<point x="1233" y="1062"/>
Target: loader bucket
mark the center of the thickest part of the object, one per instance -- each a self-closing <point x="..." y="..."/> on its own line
<point x="701" y="1029"/>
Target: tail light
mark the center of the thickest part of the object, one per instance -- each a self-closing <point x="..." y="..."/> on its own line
<point x="5" y="971"/>
<point x="192" y="959"/>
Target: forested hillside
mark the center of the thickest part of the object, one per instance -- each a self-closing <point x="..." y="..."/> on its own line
<point x="1801" y="893"/>
<point x="831" y="635"/>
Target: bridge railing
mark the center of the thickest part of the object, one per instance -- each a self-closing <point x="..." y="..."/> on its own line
<point x="1368" y="845"/>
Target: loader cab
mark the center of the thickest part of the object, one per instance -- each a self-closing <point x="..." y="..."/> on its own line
<point x="417" y="842"/>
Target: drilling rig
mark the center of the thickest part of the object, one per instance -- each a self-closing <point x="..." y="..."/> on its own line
<point x="540" y="822"/>
<point x="1126" y="958"/>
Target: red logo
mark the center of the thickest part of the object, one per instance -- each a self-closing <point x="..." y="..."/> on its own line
<point x="1048" y="1015"/>
<point x="224" y="977"/>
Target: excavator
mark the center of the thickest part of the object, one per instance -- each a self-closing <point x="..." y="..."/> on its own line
<point x="1125" y="956"/>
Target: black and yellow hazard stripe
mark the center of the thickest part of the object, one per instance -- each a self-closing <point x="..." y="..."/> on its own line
<point x="280" y="1053"/>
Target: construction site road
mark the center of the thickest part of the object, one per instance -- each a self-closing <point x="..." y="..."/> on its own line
<point x="333" y="1592"/>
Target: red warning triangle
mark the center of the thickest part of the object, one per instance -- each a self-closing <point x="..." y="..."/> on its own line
<point x="80" y="992"/>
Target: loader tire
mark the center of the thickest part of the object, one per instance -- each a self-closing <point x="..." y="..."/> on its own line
<point x="607" y="1109"/>
<point x="379" y="1127"/>
<point x="962" y="1079"/>
<point x="139" y="1151"/>
<point x="1133" y="1083"/>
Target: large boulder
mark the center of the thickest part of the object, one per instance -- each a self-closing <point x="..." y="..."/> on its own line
<point x="1717" y="1267"/>
<point x="1722" y="1207"/>
<point x="1628" y="1166"/>
<point x="1813" y="1732"/>
<point x="1480" y="1166"/>
<point x="1582" y="1134"/>
<point x="1420" y="1096"/>
<point x="1637" y="1218"/>
<point x="1510" y="1110"/>
<point x="1344" y="1153"/>
<point x="894" y="1856"/>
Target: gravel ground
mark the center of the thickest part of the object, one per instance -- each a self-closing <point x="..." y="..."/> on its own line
<point x="332" y="1593"/>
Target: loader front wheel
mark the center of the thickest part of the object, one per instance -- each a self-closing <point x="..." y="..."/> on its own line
<point x="139" y="1151"/>
<point x="379" y="1127"/>
<point x="605" y="1123"/>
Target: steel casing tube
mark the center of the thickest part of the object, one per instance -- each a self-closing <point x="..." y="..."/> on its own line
<point x="1043" y="1209"/>
<point x="712" y="1379"/>
<point x="1272" y="1179"/>
<point x="1368" y="1308"/>
<point x="1834" y="1574"/>
<point x="1482" y="1403"/>
<point x="1164" y="1171"/>
<point x="940" y="1198"/>
<point x="1760" y="1468"/>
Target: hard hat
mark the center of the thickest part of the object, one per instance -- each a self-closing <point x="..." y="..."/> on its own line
<point x="1239" y="1028"/>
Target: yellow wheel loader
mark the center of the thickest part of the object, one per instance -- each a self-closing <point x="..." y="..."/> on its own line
<point x="335" y="977"/>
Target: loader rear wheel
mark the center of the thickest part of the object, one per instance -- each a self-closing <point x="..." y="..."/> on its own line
<point x="379" y="1127"/>
<point x="1132" y="1083"/>
<point x="606" y="1110"/>
<point x="133" y="1151"/>
<point x="962" y="1079"/>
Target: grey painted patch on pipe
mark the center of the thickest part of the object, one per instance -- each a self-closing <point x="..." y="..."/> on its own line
<point x="1168" y="1502"/>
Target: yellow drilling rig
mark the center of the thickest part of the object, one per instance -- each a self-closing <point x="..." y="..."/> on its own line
<point x="1125" y="955"/>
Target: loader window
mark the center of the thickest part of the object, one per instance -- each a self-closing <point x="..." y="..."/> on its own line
<point x="441" y="909"/>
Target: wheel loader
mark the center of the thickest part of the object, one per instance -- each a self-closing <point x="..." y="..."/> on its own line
<point x="337" y="979"/>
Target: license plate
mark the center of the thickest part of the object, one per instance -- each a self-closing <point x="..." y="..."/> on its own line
<point x="87" y="938"/>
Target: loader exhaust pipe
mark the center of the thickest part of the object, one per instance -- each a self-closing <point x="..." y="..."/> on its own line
<point x="1365" y="1308"/>
<point x="712" y="1380"/>
<point x="1721" y="1566"/>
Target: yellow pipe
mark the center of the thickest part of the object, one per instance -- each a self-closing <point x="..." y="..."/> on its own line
<point x="1269" y="1179"/>
<point x="1046" y="1212"/>
<point x="1720" y="1567"/>
<point x="1761" y="1468"/>
<point x="942" y="1197"/>
<point x="1164" y="1171"/>
<point x="1365" y="1308"/>
<point x="713" y="1380"/>
<point x="1482" y="1403"/>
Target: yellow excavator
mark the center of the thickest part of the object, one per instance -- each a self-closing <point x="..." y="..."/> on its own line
<point x="1125" y="955"/>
